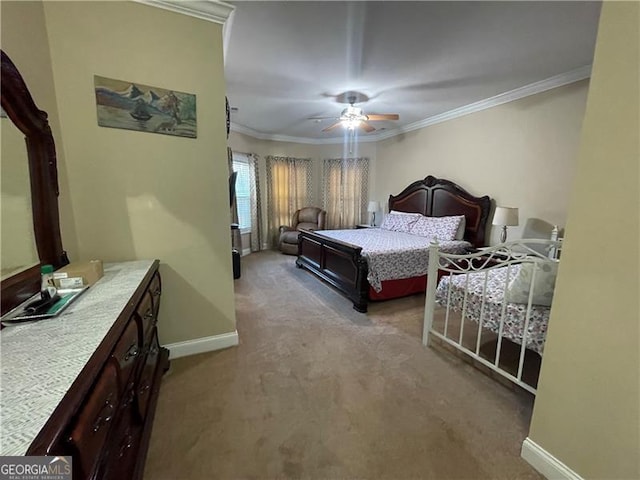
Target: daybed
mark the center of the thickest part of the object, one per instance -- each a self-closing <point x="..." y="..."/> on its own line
<point x="499" y="296"/>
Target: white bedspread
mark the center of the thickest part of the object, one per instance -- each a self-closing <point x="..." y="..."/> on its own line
<point x="393" y="255"/>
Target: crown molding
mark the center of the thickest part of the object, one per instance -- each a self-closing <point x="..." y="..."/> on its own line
<point x="556" y="81"/>
<point x="566" y="78"/>
<point x="210" y="10"/>
<point x="235" y="127"/>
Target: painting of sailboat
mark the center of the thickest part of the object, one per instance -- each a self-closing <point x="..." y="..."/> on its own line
<point x="134" y="106"/>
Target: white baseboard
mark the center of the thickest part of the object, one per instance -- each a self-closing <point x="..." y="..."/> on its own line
<point x="202" y="345"/>
<point x="545" y="463"/>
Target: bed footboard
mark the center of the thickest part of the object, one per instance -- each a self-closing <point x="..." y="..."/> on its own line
<point x="472" y="309"/>
<point x="338" y="263"/>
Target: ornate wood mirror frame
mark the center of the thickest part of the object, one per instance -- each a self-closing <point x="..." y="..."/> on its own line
<point x="43" y="172"/>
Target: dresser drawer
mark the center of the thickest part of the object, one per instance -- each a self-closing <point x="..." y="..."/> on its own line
<point x="155" y="287"/>
<point x="147" y="316"/>
<point x="145" y="384"/>
<point x="123" y="447"/>
<point x="127" y="351"/>
<point x="89" y="432"/>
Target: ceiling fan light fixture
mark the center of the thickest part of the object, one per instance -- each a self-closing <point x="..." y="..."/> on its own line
<point x="352" y="111"/>
<point x="352" y="117"/>
<point x="351" y="123"/>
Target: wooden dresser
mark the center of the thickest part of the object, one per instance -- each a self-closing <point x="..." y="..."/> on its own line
<point x="86" y="383"/>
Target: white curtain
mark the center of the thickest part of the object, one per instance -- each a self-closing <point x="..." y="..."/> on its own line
<point x="288" y="190"/>
<point x="345" y="191"/>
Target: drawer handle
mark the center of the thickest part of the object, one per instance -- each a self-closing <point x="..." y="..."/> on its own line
<point x="129" y="396"/>
<point x="148" y="314"/>
<point x="132" y="352"/>
<point x="157" y="292"/>
<point x="126" y="444"/>
<point x="105" y="415"/>
<point x="145" y="388"/>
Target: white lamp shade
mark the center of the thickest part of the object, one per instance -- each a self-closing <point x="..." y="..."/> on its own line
<point x="373" y="207"/>
<point x="505" y="216"/>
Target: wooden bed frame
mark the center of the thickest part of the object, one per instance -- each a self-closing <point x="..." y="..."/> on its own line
<point x="342" y="265"/>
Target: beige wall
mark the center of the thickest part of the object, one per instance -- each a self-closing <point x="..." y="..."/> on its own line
<point x="587" y="409"/>
<point x="140" y="195"/>
<point x="521" y="154"/>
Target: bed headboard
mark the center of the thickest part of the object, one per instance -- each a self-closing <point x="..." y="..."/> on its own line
<point x="436" y="197"/>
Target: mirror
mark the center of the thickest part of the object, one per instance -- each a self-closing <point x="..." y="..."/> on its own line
<point x="19" y="251"/>
<point x="21" y="275"/>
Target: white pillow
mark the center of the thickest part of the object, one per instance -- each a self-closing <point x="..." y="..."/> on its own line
<point x="399" y="221"/>
<point x="545" y="282"/>
<point x="442" y="228"/>
<point x="417" y="215"/>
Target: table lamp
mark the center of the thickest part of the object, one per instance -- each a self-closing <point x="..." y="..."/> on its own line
<point x="507" y="217"/>
<point x="372" y="209"/>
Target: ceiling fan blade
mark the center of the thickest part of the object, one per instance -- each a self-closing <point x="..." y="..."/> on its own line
<point x="366" y="127"/>
<point x="383" y="116"/>
<point x="331" y="127"/>
<point x="322" y="118"/>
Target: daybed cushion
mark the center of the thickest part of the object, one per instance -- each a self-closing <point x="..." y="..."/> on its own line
<point x="485" y="291"/>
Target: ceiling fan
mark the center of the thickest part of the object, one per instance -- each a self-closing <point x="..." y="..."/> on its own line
<point x="354" y="117"/>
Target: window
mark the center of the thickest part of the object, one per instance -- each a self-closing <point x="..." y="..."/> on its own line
<point x="243" y="191"/>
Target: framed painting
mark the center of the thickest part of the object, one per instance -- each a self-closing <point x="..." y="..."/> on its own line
<point x="134" y="106"/>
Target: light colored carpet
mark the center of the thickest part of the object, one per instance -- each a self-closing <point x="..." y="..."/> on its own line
<point x="317" y="390"/>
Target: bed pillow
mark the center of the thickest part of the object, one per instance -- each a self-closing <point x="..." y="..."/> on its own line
<point x="442" y="228"/>
<point x="461" y="228"/>
<point x="399" y="221"/>
<point x="396" y="212"/>
<point x="545" y="282"/>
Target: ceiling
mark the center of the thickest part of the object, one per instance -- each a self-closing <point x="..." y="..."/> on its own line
<point x="288" y="61"/>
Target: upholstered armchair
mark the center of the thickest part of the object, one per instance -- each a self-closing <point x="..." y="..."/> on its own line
<point x="307" y="218"/>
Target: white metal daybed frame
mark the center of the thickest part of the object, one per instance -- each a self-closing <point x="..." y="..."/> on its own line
<point x="490" y="258"/>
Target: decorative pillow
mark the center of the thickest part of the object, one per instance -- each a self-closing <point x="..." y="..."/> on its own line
<point x="545" y="282"/>
<point x="399" y="221"/>
<point x="461" y="228"/>
<point x="441" y="228"/>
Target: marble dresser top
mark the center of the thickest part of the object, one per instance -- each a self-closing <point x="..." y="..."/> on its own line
<point x="40" y="360"/>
